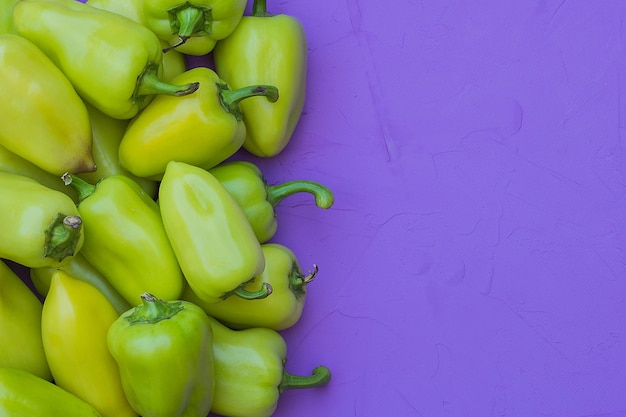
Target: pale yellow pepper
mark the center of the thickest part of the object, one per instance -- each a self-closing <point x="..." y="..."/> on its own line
<point x="75" y="320"/>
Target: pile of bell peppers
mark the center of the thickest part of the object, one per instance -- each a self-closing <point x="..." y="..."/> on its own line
<point x="154" y="284"/>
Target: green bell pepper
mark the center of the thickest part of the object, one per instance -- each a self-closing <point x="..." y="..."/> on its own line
<point x="193" y="27"/>
<point x="113" y="62"/>
<point x="41" y="227"/>
<point x="250" y="372"/>
<point x="202" y="129"/>
<point x="126" y="240"/>
<point x="278" y="312"/>
<point x="23" y="394"/>
<point x="266" y="49"/>
<point x="79" y="268"/>
<point x="164" y="353"/>
<point x="246" y="183"/>
<point x="107" y="134"/>
<point x="44" y="120"/>
<point x="214" y="243"/>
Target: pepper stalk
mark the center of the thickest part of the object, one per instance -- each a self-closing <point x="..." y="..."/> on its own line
<point x="62" y="236"/>
<point x="187" y="20"/>
<point x="320" y="376"/>
<point x="149" y="83"/>
<point x="230" y="98"/>
<point x="323" y="195"/>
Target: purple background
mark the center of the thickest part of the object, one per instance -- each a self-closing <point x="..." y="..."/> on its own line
<point x="473" y="263"/>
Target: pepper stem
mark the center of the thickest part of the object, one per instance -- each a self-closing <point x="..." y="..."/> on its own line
<point x="265" y="290"/>
<point x="153" y="310"/>
<point x="149" y="83"/>
<point x="62" y="236"/>
<point x="323" y="196"/>
<point x="83" y="188"/>
<point x="230" y="98"/>
<point x="259" y="8"/>
<point x="188" y="19"/>
<point x="320" y="376"/>
<point x="298" y="281"/>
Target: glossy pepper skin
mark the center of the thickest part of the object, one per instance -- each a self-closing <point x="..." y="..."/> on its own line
<point x="258" y="199"/>
<point x="164" y="352"/>
<point x="20" y="326"/>
<point x="250" y="372"/>
<point x="58" y="136"/>
<point x="113" y="62"/>
<point x="126" y="240"/>
<point x="23" y="394"/>
<point x="80" y="268"/>
<point x="107" y="134"/>
<point x="214" y="243"/>
<point x="193" y="27"/>
<point x="15" y="164"/>
<point x="41" y="227"/>
<point x="279" y="311"/>
<point x="266" y="49"/>
<point x="75" y="320"/>
<point x="127" y="8"/>
<point x="202" y="129"/>
<point x="173" y="63"/>
<point x="6" y="16"/>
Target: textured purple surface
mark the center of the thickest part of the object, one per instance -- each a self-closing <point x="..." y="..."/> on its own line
<point x="473" y="263"/>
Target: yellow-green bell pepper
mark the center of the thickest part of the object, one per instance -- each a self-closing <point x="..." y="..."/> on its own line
<point x="113" y="62"/>
<point x="250" y="372"/>
<point x="80" y="268"/>
<point x="41" y="227"/>
<point x="107" y="134"/>
<point x="202" y="129"/>
<point x="127" y="8"/>
<point x="214" y="243"/>
<point x="279" y="311"/>
<point x="20" y="326"/>
<point x="193" y="27"/>
<point x="258" y="199"/>
<point x="44" y="120"/>
<point x="173" y="63"/>
<point x="13" y="163"/>
<point x="126" y="239"/>
<point x="75" y="320"/>
<point x="23" y="394"/>
<point x="6" y="16"/>
<point x="164" y="353"/>
<point x="266" y="49"/>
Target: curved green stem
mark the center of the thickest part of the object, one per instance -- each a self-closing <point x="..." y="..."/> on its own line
<point x="83" y="188"/>
<point x="323" y="196"/>
<point x="259" y="8"/>
<point x="298" y="281"/>
<point x="320" y="376"/>
<point x="62" y="236"/>
<point x="230" y="98"/>
<point x="188" y="20"/>
<point x="263" y="292"/>
<point x="149" y="83"/>
<point x="153" y="310"/>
